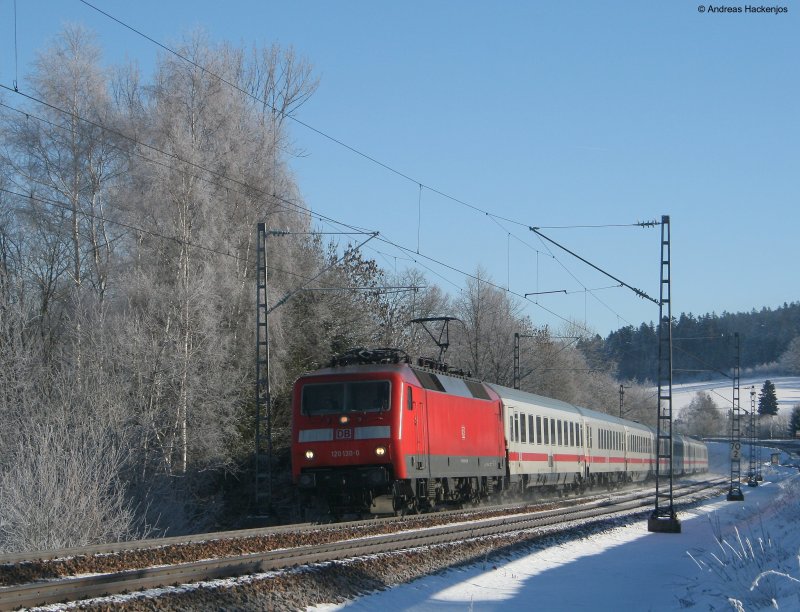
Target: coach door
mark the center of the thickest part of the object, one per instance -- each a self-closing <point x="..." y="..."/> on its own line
<point x="415" y="403"/>
<point x="514" y="449"/>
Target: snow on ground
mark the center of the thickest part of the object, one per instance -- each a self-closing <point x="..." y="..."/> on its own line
<point x="729" y="556"/>
<point x="787" y="389"/>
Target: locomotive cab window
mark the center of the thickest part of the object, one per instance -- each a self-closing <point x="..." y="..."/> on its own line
<point x="410" y="399"/>
<point x="338" y="397"/>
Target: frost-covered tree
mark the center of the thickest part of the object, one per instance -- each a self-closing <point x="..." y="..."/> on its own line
<point x="191" y="293"/>
<point x="484" y="343"/>
<point x="790" y="359"/>
<point x="702" y="416"/>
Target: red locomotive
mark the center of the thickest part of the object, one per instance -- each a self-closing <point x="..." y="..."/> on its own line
<point x="373" y="433"/>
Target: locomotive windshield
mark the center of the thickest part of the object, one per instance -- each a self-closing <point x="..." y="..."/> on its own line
<point x="338" y="397"/>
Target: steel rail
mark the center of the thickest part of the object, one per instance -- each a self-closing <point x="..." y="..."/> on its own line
<point x="74" y="589"/>
<point x="153" y="543"/>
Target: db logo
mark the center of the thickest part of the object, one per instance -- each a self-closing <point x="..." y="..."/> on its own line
<point x="344" y="434"/>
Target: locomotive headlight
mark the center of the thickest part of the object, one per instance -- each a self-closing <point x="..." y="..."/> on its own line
<point x="344" y="419"/>
<point x="380" y="451"/>
<point x="309" y="455"/>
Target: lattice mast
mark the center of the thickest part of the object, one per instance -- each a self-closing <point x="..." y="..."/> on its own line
<point x="752" y="476"/>
<point x="735" y="490"/>
<point x="262" y="495"/>
<point x="663" y="519"/>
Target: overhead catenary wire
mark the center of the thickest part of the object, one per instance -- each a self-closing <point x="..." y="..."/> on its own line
<point x="304" y="124"/>
<point x="284" y="114"/>
<point x="495" y="217"/>
<point x="638" y="292"/>
<point x="175" y="157"/>
<point x="560" y="263"/>
<point x="154" y="234"/>
<point x="16" y="51"/>
<point x="294" y="204"/>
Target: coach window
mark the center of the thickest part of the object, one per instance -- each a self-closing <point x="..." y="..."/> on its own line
<point x="539" y="429"/>
<point x="571" y="433"/>
<point x="560" y="433"/>
<point x="522" y="433"/>
<point x="546" y="432"/>
<point x="580" y="435"/>
<point x="531" y="439"/>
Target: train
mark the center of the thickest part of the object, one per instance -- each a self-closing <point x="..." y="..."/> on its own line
<point x="373" y="433"/>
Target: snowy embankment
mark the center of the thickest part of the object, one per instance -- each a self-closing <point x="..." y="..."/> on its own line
<point x="729" y="556"/>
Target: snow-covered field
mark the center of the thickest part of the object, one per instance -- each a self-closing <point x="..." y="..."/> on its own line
<point x="787" y="389"/>
<point x="729" y="555"/>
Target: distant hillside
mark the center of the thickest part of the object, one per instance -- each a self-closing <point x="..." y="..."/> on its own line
<point x="703" y="346"/>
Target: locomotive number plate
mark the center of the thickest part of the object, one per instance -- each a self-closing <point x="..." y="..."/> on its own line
<point x="344" y="434"/>
<point x="338" y="454"/>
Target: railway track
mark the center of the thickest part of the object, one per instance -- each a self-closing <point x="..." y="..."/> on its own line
<point x="402" y="536"/>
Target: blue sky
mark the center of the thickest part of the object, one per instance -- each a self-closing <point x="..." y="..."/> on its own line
<point x="548" y="114"/>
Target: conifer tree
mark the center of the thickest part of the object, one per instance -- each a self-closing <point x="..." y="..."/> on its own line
<point x="794" y="421"/>
<point x="768" y="400"/>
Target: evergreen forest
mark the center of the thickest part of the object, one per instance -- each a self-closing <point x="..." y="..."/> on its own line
<point x="705" y="346"/>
